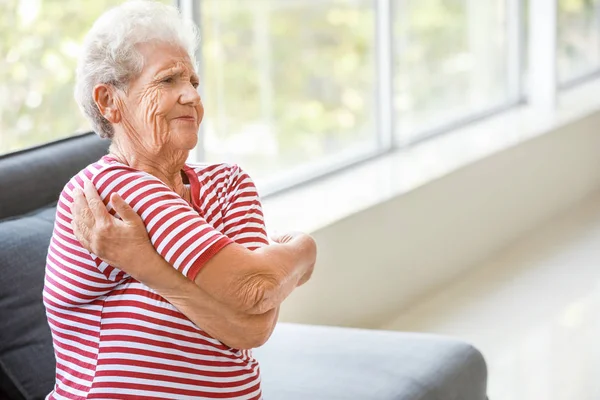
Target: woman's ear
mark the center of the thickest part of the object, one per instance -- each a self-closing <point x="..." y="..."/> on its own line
<point x="104" y="97"/>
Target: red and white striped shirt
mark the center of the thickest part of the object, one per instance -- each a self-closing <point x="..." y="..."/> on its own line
<point x="115" y="338"/>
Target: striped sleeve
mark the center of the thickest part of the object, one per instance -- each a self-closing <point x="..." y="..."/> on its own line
<point x="65" y="251"/>
<point x="183" y="238"/>
<point x="243" y="216"/>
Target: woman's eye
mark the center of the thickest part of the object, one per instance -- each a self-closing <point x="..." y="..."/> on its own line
<point x="195" y="85"/>
<point x="170" y="79"/>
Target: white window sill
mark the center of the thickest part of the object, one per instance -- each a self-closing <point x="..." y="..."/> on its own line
<point x="322" y="202"/>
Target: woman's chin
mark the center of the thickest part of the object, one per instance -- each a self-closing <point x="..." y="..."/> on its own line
<point x="189" y="145"/>
<point x="187" y="139"/>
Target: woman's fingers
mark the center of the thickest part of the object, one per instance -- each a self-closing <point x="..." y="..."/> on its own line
<point x="83" y="219"/>
<point x="80" y="209"/>
<point x="124" y="210"/>
<point x="95" y="202"/>
<point x="283" y="237"/>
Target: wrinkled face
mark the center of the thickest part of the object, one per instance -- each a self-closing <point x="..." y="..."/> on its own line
<point x="162" y="109"/>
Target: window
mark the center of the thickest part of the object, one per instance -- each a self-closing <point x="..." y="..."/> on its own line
<point x="288" y="86"/>
<point x="294" y="89"/>
<point x="453" y="59"/>
<point x="578" y="39"/>
<point x="40" y="40"/>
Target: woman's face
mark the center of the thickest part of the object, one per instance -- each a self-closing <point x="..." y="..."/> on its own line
<point x="162" y="109"/>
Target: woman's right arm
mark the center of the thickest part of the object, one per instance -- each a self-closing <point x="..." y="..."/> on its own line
<point x="247" y="281"/>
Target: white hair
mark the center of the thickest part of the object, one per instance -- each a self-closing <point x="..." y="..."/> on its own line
<point x="109" y="54"/>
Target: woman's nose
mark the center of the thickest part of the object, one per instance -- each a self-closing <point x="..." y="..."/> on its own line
<point x="189" y="95"/>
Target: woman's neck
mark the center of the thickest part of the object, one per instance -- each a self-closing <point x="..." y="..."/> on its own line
<point x="164" y="166"/>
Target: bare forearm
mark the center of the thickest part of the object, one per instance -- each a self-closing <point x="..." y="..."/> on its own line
<point x="257" y="281"/>
<point x="232" y="327"/>
<point x="294" y="262"/>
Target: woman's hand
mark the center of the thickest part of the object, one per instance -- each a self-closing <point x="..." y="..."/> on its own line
<point x="288" y="237"/>
<point x="120" y="243"/>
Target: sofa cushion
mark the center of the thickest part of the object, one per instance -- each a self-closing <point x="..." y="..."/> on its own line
<point x="27" y="364"/>
<point x="325" y="363"/>
<point x="33" y="178"/>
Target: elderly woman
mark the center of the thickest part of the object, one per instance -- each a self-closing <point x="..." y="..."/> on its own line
<point x="159" y="275"/>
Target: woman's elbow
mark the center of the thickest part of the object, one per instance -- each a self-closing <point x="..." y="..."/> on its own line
<point x="260" y="341"/>
<point x="244" y="343"/>
<point x="266" y="325"/>
<point x="253" y="341"/>
<point x="257" y="330"/>
<point x="257" y="294"/>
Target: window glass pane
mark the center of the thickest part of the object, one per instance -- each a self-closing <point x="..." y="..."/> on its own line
<point x="287" y="84"/>
<point x="451" y="61"/>
<point x="578" y="38"/>
<point x="40" y="41"/>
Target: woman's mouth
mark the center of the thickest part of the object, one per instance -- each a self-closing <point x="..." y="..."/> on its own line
<point x="189" y="118"/>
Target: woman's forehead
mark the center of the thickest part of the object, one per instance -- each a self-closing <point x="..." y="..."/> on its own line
<point x="161" y="57"/>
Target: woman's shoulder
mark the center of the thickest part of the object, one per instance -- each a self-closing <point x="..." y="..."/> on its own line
<point x="217" y="171"/>
<point x="106" y="168"/>
<point x="222" y="177"/>
<point x="77" y="180"/>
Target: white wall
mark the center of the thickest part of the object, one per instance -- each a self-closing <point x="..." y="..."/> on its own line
<point x="376" y="262"/>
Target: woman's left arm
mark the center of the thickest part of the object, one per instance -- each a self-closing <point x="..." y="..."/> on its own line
<point x="243" y="222"/>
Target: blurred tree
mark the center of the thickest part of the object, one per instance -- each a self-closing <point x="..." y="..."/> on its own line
<point x="578" y="38"/>
<point x="451" y="61"/>
<point x="302" y="70"/>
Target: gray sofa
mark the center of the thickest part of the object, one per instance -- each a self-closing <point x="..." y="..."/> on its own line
<point x="298" y="363"/>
